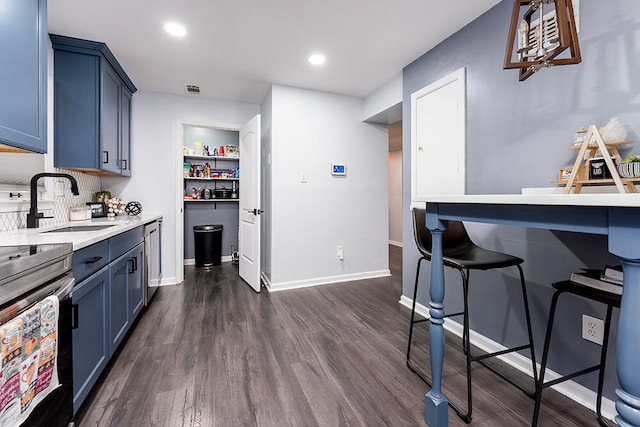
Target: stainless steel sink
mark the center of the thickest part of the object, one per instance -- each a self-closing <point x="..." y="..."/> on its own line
<point x="78" y="228"/>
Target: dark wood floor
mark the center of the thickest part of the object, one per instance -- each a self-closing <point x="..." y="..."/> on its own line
<point x="212" y="352"/>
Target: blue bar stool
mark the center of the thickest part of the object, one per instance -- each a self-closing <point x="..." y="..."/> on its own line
<point x="611" y="300"/>
<point x="461" y="253"/>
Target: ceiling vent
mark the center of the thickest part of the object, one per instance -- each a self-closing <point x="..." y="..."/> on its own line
<point x="192" y="89"/>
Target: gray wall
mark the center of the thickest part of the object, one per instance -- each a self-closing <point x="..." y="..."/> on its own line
<point x="211" y="137"/>
<point x="517" y="134"/>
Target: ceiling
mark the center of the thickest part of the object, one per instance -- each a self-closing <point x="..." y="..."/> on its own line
<point x="235" y="49"/>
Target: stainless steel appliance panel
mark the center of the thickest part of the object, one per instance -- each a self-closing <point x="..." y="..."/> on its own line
<point x="152" y="258"/>
<point x="28" y="274"/>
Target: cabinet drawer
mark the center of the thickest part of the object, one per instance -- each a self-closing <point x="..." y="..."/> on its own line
<point x="88" y="260"/>
<point x="120" y="244"/>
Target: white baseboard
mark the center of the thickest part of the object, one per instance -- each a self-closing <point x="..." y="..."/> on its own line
<point x="265" y="280"/>
<point x="394" y="243"/>
<point x="168" y="281"/>
<point x="192" y="261"/>
<point x="274" y="287"/>
<point x="571" y="389"/>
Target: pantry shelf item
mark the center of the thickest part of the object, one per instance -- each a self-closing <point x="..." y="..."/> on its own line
<point x="215" y="170"/>
<point x="579" y="174"/>
<point x="191" y="199"/>
<point x="210" y="179"/>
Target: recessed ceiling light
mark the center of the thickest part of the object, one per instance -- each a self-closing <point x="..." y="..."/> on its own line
<point x="175" y="29"/>
<point x="317" y="59"/>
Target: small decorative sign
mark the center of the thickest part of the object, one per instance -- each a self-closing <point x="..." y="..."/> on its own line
<point x="98" y="209"/>
<point x="565" y="173"/>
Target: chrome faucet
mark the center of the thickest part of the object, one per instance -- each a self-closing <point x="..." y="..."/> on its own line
<point x="34" y="216"/>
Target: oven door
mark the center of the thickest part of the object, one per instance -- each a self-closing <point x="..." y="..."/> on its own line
<point x="56" y="410"/>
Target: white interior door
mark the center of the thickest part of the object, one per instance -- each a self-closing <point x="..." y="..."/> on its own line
<point x="438" y="138"/>
<point x="250" y="207"/>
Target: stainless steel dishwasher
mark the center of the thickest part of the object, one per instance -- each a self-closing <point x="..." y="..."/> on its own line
<point x="152" y="259"/>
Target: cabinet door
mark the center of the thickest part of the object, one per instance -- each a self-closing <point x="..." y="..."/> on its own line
<point x="23" y="74"/>
<point x="125" y="132"/>
<point x="90" y="338"/>
<point x="76" y="110"/>
<point x="136" y="281"/>
<point x="119" y="319"/>
<point x="110" y="118"/>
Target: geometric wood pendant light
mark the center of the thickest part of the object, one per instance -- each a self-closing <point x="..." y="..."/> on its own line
<point x="541" y="36"/>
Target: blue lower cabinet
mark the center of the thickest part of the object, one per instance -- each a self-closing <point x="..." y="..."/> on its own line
<point x="90" y="339"/>
<point x="126" y="293"/>
<point x="136" y="281"/>
<point x="106" y="303"/>
<point x="119" y="319"/>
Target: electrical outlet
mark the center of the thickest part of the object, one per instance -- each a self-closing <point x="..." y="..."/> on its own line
<point x="592" y="329"/>
<point x="58" y="188"/>
<point x="339" y="252"/>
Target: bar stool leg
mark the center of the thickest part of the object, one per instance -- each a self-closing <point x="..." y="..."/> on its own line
<point x="545" y="353"/>
<point x="603" y="359"/>
<point x="467" y="347"/>
<point x="529" y="330"/>
<point x="465" y="284"/>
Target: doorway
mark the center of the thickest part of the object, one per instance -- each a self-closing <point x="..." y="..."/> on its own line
<point x="208" y="187"/>
<point x="395" y="184"/>
<point x="438" y="138"/>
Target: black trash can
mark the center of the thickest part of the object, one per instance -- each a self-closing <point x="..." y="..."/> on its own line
<point x="208" y="242"/>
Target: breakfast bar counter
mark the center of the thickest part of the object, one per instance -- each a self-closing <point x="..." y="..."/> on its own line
<point x="614" y="215"/>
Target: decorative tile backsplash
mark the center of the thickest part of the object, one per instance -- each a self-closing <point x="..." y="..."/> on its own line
<point x="13" y="212"/>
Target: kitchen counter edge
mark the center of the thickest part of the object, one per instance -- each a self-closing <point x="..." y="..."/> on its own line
<point x="79" y="239"/>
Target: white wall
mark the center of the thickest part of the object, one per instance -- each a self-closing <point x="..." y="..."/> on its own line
<point x="384" y="98"/>
<point x="395" y="197"/>
<point x="156" y="157"/>
<point x="265" y="191"/>
<point x="310" y="130"/>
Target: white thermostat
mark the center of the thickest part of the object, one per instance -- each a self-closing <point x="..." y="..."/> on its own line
<point x="338" y="169"/>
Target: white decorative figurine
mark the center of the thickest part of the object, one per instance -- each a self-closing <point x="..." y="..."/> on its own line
<point x="614" y="130"/>
<point x="115" y="206"/>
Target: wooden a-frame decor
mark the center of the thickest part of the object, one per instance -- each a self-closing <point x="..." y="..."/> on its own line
<point x="541" y="39"/>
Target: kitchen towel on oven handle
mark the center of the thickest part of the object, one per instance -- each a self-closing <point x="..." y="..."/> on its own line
<point x="28" y="364"/>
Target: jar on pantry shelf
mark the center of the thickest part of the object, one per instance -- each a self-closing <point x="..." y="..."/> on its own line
<point x="579" y="136"/>
<point x="198" y="148"/>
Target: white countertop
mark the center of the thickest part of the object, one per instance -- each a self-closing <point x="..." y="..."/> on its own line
<point x="79" y="239"/>
<point x="600" y="199"/>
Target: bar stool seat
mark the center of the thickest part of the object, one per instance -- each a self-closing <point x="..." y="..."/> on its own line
<point x="611" y="300"/>
<point x="461" y="253"/>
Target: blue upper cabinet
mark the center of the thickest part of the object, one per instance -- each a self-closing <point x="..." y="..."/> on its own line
<point x="92" y="108"/>
<point x="23" y="75"/>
